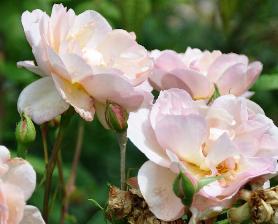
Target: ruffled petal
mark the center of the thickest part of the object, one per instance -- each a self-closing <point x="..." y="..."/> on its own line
<point x="184" y="135"/>
<point x="172" y="102"/>
<point x="77" y="97"/>
<point x="114" y="88"/>
<point x="41" y="101"/>
<point x="30" y="22"/>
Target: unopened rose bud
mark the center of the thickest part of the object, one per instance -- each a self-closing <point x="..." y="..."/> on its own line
<point x="116" y="117"/>
<point x="184" y="189"/>
<point x="25" y="132"/>
<point x="240" y="214"/>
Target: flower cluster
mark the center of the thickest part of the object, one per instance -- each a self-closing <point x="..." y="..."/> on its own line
<point x="17" y="183"/>
<point x="232" y="139"/>
<point x="188" y="129"/>
<point x="83" y="62"/>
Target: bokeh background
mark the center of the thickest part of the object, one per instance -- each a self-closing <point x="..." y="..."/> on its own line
<point x="246" y="27"/>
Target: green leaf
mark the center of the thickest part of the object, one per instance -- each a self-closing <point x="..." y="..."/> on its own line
<point x="96" y="204"/>
<point x="266" y="83"/>
<point x="205" y="181"/>
<point x="226" y="221"/>
<point x="184" y="189"/>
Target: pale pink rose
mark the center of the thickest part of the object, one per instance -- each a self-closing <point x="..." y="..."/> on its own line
<point x="197" y="71"/>
<point x="83" y="63"/>
<point x="17" y="183"/>
<point x="232" y="138"/>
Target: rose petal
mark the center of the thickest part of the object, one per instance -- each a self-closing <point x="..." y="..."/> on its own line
<point x="30" y="65"/>
<point x="142" y="136"/>
<point x="91" y="27"/>
<point x="21" y="174"/>
<point x="76" y="97"/>
<point x="222" y="149"/>
<point x="76" y="67"/>
<point x="14" y="201"/>
<point x="184" y="135"/>
<point x="41" y="101"/>
<point x="31" y="216"/>
<point x="114" y="88"/>
<point x="155" y="183"/>
<point x="249" y="168"/>
<point x="4" y="158"/>
<point x="30" y="22"/>
<point x="253" y="72"/>
<point x="222" y="63"/>
<point x="110" y="50"/>
<point x="229" y="83"/>
<point x="172" y="102"/>
<point x="168" y="61"/>
<point x="195" y="83"/>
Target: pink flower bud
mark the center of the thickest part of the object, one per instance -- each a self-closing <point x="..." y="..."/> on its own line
<point x="116" y="117"/>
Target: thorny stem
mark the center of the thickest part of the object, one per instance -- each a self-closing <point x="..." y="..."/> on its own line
<point x="50" y="167"/>
<point x="71" y="181"/>
<point x="122" y="140"/>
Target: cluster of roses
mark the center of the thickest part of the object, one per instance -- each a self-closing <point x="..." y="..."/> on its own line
<point x="188" y="129"/>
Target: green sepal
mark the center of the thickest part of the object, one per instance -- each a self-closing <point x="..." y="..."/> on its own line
<point x="184" y="189"/>
<point x="205" y="181"/>
<point x="215" y="94"/>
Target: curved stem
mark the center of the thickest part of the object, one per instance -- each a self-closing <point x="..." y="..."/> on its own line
<point x="50" y="167"/>
<point x="71" y="181"/>
<point x="122" y="140"/>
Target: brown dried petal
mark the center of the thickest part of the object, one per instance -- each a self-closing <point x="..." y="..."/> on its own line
<point x="264" y="205"/>
<point x="131" y="205"/>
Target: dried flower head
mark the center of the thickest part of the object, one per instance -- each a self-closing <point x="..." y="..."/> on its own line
<point x="264" y="205"/>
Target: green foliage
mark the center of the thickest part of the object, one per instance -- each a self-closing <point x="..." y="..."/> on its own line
<point x="134" y="13"/>
<point x="267" y="83"/>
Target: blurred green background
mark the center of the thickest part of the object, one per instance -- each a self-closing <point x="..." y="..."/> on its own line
<point x="247" y="27"/>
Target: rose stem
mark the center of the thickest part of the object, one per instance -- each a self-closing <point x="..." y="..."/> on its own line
<point x="51" y="165"/>
<point x="122" y="141"/>
<point x="71" y="181"/>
